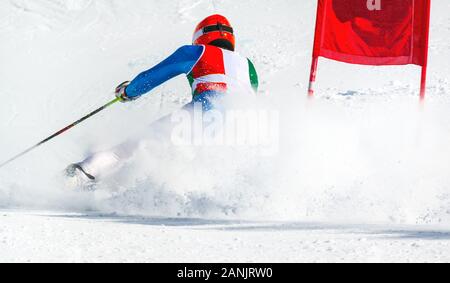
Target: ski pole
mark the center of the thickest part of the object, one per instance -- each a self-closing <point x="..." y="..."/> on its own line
<point x="61" y="131"/>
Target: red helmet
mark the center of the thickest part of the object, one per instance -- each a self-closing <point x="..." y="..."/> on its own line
<point x="215" y="30"/>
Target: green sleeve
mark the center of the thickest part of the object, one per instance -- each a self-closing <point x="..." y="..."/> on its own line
<point x="253" y="75"/>
<point x="191" y="81"/>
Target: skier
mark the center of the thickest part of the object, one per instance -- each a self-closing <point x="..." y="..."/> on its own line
<point x="212" y="68"/>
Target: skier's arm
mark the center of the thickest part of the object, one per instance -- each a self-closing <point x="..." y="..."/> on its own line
<point x="254" y="80"/>
<point x="180" y="62"/>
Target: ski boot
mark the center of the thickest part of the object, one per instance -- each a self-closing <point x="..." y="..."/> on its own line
<point x="79" y="179"/>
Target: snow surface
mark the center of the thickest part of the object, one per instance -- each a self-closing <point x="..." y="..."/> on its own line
<point x="72" y="237"/>
<point x="361" y="173"/>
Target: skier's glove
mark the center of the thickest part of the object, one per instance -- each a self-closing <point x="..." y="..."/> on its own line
<point x="121" y="93"/>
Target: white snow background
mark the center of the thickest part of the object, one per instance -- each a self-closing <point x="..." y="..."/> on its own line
<point x="363" y="151"/>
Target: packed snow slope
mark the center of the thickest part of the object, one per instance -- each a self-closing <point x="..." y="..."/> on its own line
<point x="363" y="151"/>
<point x="53" y="237"/>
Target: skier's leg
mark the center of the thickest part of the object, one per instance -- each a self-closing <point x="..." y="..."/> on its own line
<point x="160" y="131"/>
<point x="102" y="163"/>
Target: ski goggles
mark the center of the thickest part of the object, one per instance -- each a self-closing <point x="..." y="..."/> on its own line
<point x="213" y="28"/>
<point x="219" y="27"/>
